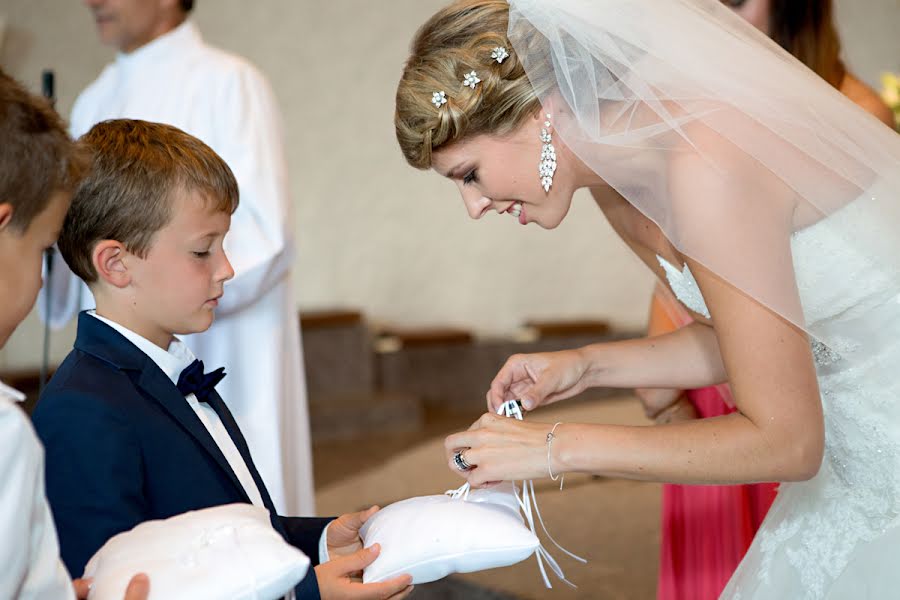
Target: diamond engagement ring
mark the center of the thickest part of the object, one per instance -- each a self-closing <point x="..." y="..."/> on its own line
<point x="460" y="462"/>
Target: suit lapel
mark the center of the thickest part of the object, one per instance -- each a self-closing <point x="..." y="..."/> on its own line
<point x="102" y="341"/>
<point x="231" y="426"/>
<point x="159" y="387"/>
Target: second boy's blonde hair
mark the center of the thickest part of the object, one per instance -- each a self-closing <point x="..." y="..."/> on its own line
<point x="137" y="168"/>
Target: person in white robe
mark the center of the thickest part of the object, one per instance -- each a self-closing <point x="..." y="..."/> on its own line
<point x="165" y="72"/>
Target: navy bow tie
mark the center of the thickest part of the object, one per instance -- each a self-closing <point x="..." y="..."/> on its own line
<point x="194" y="381"/>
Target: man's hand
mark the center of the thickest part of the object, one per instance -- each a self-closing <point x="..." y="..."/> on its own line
<point x="339" y="579"/>
<point x="138" y="588"/>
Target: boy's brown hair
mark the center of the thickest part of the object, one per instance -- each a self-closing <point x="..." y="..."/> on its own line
<point x="137" y="168"/>
<point x="37" y="156"/>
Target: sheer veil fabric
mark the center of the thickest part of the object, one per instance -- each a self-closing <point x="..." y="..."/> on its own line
<point x="722" y="138"/>
<point x="760" y="171"/>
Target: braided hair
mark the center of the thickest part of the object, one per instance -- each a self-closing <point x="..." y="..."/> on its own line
<point x="457" y="40"/>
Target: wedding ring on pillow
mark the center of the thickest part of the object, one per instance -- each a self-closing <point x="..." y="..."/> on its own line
<point x="460" y="461"/>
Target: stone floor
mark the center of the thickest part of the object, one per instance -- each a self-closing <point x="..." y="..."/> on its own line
<point x="612" y="523"/>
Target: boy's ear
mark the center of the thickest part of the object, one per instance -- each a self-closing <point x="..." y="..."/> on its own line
<point x="6" y="215"/>
<point x="108" y="258"/>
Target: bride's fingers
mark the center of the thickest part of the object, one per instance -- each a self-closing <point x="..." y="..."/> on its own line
<point x="513" y="370"/>
<point x="494" y="402"/>
<point x="469" y="455"/>
<point x="480" y="433"/>
<point x="481" y="477"/>
<point x="458" y="441"/>
<point x="539" y="392"/>
<point x="518" y="388"/>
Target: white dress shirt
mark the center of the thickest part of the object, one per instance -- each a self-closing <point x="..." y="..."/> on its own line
<point x="30" y="567"/>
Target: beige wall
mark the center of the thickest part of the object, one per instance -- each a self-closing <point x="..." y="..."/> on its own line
<point x="373" y="233"/>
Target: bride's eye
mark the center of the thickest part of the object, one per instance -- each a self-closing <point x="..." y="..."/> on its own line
<point x="470" y="177"/>
<point x="734" y="3"/>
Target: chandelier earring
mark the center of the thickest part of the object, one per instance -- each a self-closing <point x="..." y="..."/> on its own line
<point x="547" y="166"/>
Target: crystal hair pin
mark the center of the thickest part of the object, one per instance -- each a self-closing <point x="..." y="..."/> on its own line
<point x="439" y="99"/>
<point x="499" y="54"/>
<point x="471" y="80"/>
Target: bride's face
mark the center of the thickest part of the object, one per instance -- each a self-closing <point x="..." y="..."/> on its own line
<point x="756" y="12"/>
<point x="497" y="173"/>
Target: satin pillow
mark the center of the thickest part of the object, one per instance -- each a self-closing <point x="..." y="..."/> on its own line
<point x="430" y="537"/>
<point x="228" y="551"/>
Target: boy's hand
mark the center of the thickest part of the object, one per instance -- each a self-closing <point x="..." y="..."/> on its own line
<point x="339" y="579"/>
<point x="343" y="533"/>
<point x="138" y="588"/>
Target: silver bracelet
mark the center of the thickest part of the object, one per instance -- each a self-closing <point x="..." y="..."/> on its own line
<point x="560" y="476"/>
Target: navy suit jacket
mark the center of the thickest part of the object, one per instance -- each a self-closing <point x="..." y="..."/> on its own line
<point x="123" y="446"/>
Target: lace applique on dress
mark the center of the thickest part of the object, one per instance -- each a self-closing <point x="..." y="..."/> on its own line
<point x="685" y="287"/>
<point x="854" y="498"/>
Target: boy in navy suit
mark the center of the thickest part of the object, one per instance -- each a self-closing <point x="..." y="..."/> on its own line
<point x="133" y="428"/>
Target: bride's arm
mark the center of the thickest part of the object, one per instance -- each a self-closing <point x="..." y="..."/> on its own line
<point x="686" y="358"/>
<point x="776" y="435"/>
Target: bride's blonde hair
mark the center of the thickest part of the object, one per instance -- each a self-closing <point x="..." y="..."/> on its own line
<point x="457" y="40"/>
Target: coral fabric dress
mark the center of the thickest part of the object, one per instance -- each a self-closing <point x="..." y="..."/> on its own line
<point x="706" y="529"/>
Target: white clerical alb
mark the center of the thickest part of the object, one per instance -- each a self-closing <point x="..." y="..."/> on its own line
<point x="29" y="549"/>
<point x="223" y="100"/>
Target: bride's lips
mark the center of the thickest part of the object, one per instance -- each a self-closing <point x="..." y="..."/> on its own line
<point x="517" y="210"/>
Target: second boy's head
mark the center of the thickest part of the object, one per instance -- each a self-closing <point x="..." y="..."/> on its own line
<point x="146" y="227"/>
<point x="39" y="168"/>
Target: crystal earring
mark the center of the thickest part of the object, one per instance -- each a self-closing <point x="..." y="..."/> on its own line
<point x="547" y="166"/>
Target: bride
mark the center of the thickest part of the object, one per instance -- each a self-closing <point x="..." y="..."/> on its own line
<point x="768" y="202"/>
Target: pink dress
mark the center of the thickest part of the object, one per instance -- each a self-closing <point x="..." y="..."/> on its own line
<point x="706" y="529"/>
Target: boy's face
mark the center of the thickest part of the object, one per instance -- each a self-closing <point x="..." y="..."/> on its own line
<point x="21" y="256"/>
<point x="176" y="287"/>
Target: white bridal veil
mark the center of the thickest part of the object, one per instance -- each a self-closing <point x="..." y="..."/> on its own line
<point x="711" y="129"/>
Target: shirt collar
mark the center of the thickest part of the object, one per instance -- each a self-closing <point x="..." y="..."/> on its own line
<point x="172" y="361"/>
<point x="11" y="393"/>
<point x="176" y="40"/>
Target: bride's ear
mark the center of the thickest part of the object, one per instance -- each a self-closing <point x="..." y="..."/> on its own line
<point x="552" y="105"/>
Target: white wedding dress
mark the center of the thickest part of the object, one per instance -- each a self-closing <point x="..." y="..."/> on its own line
<point x="644" y="93"/>
<point x="838" y="535"/>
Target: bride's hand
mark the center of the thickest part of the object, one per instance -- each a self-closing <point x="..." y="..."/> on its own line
<point x="538" y="379"/>
<point x="500" y="449"/>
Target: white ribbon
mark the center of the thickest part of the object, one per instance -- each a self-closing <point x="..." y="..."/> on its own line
<point x="529" y="506"/>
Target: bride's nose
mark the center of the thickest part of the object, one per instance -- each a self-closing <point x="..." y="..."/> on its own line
<point x="476" y="205"/>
